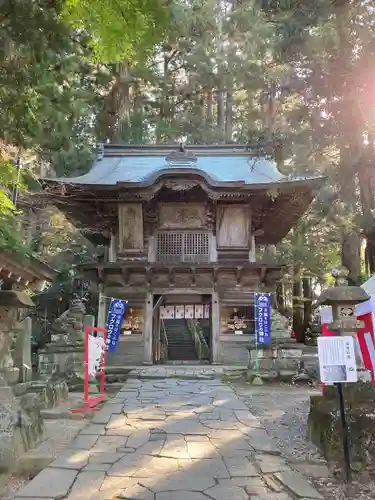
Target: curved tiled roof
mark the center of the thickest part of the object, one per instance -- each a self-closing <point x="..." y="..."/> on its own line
<point x="143" y="164"/>
<point x="114" y="170"/>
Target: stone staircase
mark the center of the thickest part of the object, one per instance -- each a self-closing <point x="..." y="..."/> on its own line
<point x="180" y="343"/>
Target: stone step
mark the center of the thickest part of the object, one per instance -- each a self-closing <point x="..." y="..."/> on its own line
<point x="116" y="370"/>
<point x="180" y="347"/>
<point x="178" y="352"/>
<point x="187" y="339"/>
<point x="180" y="341"/>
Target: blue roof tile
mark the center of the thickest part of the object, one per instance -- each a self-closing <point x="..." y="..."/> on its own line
<point x="237" y="168"/>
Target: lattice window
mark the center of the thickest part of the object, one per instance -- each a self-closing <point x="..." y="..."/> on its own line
<point x="169" y="246"/>
<point x="176" y="246"/>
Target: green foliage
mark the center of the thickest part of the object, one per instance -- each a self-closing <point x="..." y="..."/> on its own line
<point x="8" y="179"/>
<point x="214" y="72"/>
<point x="10" y="238"/>
<point x="118" y="29"/>
<point x="49" y="86"/>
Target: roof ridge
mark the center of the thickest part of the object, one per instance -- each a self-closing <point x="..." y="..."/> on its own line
<point x="110" y="150"/>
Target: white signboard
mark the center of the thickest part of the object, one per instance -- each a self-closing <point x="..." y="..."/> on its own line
<point x="167" y="312"/>
<point x="337" y="361"/>
<point x="180" y="312"/>
<point x="189" y="312"/>
<point x="206" y="312"/>
<point x="198" y="313"/>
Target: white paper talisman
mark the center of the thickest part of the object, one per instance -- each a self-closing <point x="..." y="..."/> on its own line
<point x="96" y="349"/>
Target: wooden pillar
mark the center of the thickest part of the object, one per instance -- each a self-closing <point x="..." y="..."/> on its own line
<point x="212" y="248"/>
<point x="147" y="332"/>
<point x="112" y="250"/>
<point x="252" y="253"/>
<point x="215" y="329"/>
<point x="152" y="243"/>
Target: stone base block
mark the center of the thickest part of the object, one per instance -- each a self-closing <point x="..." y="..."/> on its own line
<point x="324" y="424"/>
<point x="21" y="418"/>
<point x="278" y="361"/>
<point x="21" y="429"/>
<point x="51" y="393"/>
<point x="66" y="361"/>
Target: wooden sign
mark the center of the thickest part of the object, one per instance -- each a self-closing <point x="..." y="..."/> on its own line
<point x="182" y="216"/>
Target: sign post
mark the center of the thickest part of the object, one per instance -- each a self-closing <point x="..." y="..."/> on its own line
<point x="262" y="313"/>
<point x="340" y="356"/>
<point x="337" y="364"/>
<point x="95" y="359"/>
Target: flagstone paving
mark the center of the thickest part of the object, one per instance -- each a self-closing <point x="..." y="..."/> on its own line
<point x="171" y="439"/>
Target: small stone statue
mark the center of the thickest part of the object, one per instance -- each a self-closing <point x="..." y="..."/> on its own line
<point x="280" y="325"/>
<point x="69" y="326"/>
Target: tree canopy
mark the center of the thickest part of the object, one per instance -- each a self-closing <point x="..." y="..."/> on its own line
<point x="119" y="29"/>
<point x="74" y="72"/>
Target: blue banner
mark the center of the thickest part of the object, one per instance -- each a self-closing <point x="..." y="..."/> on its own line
<point x="262" y="318"/>
<point x="116" y="316"/>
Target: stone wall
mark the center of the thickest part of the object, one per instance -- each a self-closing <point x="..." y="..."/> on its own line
<point x="129" y="351"/>
<point x="50" y="394"/>
<point x="325" y="428"/>
<point x="234" y="350"/>
<point x="276" y="362"/>
<point x="66" y="360"/>
<point x="21" y="422"/>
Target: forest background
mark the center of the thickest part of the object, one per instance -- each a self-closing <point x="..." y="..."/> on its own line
<point x="299" y="73"/>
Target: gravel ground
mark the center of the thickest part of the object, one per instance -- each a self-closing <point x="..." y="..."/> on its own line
<point x="283" y="410"/>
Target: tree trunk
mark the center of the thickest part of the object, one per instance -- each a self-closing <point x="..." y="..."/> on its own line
<point x="221" y="114"/>
<point x="350" y="139"/>
<point x="307" y="302"/>
<point x="221" y="74"/>
<point x="210" y="107"/>
<point x="118" y="103"/>
<point x="367" y="189"/>
<point x="164" y="103"/>
<point x="298" y="323"/>
<point x="229" y="118"/>
<point x="280" y="299"/>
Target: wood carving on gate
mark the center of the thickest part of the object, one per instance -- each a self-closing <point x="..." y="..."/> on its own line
<point x="182" y="216"/>
<point x="130" y="228"/>
<point x="233" y="226"/>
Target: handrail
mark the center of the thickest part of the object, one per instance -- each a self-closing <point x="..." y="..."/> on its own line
<point x="203" y="341"/>
<point x="163" y="333"/>
<point x="200" y="344"/>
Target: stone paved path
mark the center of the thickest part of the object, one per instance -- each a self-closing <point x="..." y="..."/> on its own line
<point x="171" y="439"/>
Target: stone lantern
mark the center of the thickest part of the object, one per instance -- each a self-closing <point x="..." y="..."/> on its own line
<point x="10" y="302"/>
<point x="343" y="299"/>
<point x="324" y="423"/>
<point x="10" y="411"/>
